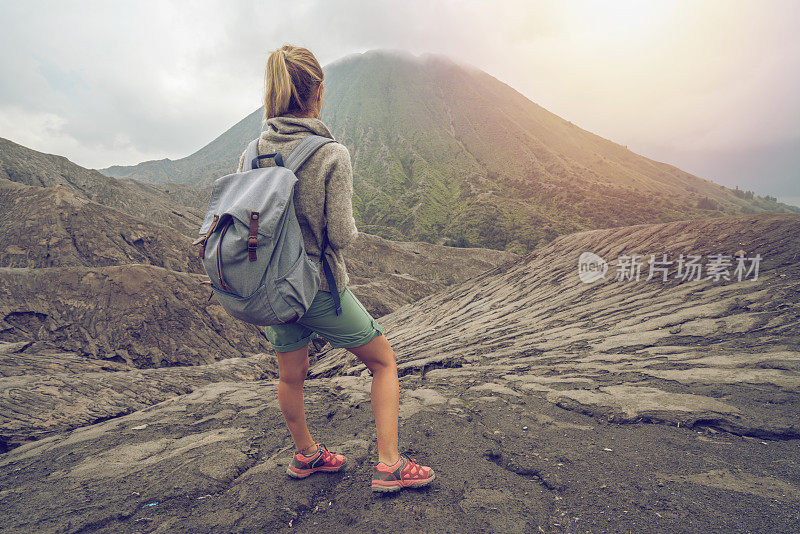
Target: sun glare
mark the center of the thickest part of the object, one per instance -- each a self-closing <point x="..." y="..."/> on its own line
<point x="615" y="23"/>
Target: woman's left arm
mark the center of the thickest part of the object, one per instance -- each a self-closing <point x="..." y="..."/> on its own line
<point x="341" y="225"/>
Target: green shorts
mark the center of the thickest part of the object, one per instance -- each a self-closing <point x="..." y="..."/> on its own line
<point x="353" y="328"/>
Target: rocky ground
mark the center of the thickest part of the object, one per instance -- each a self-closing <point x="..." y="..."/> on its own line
<point x="386" y="275"/>
<point x="57" y="227"/>
<point x="213" y="461"/>
<point x="544" y="404"/>
<point x="101" y="308"/>
<point x="73" y="340"/>
<point x="732" y="346"/>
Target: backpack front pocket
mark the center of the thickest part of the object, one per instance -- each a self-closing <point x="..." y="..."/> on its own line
<point x="299" y="285"/>
<point x="258" y="308"/>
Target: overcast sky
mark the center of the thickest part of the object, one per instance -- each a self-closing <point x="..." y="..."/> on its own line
<point x="709" y="86"/>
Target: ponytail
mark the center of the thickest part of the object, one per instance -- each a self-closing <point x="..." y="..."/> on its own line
<point x="292" y="76"/>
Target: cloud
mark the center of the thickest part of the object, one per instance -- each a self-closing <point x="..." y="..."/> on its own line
<point x="119" y="82"/>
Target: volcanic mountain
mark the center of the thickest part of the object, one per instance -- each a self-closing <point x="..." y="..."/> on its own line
<point x="446" y="153"/>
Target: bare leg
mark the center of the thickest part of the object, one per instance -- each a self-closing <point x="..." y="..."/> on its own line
<point x="379" y="358"/>
<point x="292" y="370"/>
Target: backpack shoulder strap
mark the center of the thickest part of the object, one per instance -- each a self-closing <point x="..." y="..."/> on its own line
<point x="250" y="154"/>
<point x="307" y="146"/>
<point x="326" y="269"/>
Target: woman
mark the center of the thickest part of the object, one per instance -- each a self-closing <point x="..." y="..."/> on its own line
<point x="323" y="202"/>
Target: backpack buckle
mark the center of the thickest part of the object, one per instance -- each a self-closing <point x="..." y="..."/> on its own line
<point x="252" y="237"/>
<point x="202" y="240"/>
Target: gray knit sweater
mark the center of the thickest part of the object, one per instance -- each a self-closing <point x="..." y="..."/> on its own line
<point x="323" y="195"/>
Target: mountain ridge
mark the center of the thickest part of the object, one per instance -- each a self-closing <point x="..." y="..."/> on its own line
<point x="448" y="154"/>
<point x="26" y="166"/>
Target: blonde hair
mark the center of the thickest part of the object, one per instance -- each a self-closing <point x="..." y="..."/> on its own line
<point x="293" y="74"/>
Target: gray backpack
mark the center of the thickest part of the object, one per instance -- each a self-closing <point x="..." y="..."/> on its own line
<point x="251" y="246"/>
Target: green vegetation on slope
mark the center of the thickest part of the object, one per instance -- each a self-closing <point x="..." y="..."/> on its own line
<point x="448" y="154"/>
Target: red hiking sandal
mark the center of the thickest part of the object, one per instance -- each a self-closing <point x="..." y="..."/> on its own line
<point x="322" y="460"/>
<point x="404" y="474"/>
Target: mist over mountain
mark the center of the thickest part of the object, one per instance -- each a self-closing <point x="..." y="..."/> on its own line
<point x="446" y="153"/>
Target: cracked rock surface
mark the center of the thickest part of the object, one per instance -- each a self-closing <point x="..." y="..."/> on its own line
<point x="215" y="459"/>
<point x="544" y="404"/>
<point x="722" y="354"/>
